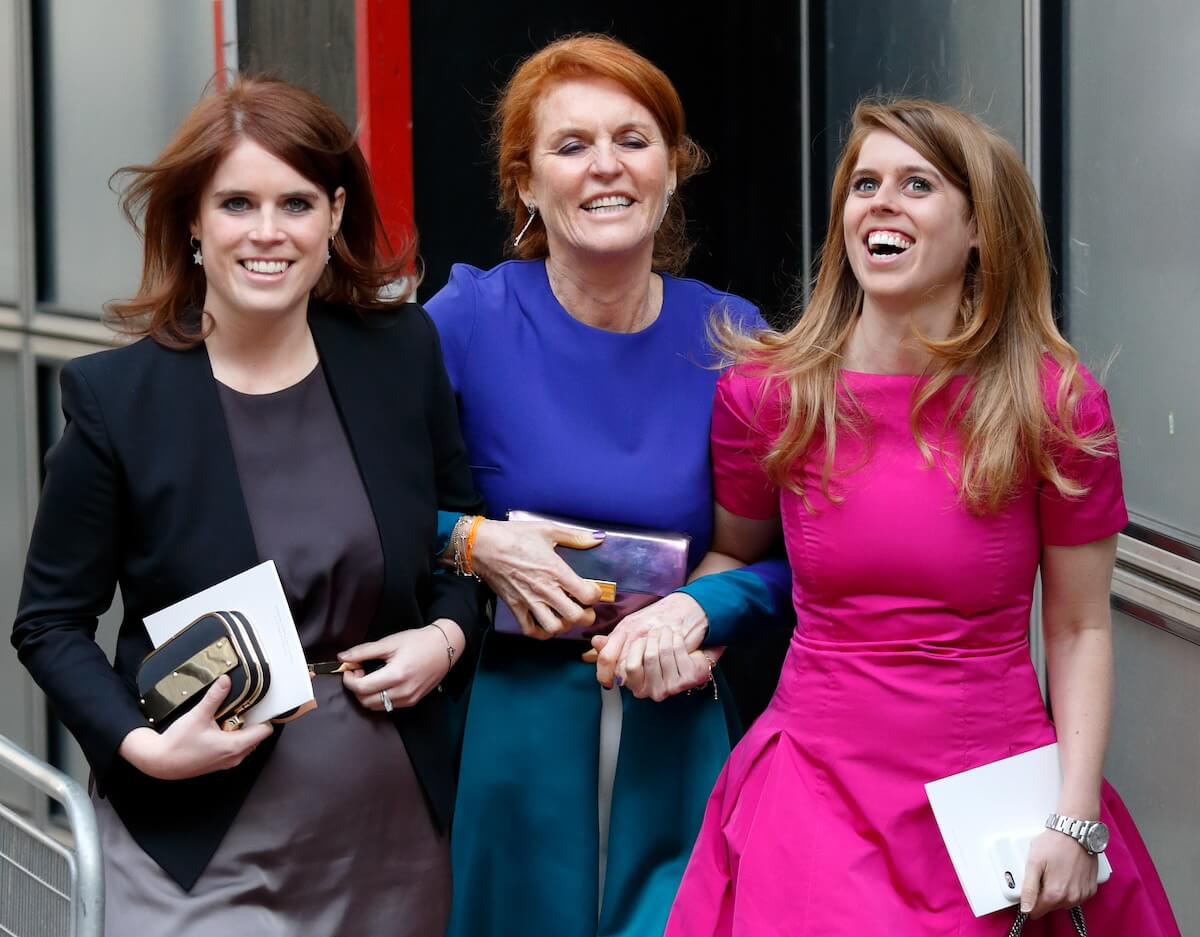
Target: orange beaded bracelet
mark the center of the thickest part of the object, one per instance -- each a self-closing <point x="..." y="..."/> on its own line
<point x="466" y="565"/>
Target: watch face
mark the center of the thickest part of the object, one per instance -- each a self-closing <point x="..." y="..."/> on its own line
<point x="1097" y="837"/>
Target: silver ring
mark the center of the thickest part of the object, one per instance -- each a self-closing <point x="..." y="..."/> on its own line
<point x="387" y="701"/>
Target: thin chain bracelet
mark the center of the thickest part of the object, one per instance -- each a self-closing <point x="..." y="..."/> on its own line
<point x="711" y="678"/>
<point x="449" y="650"/>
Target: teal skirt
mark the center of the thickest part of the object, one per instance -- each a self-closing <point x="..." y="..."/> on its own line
<point x="525" y="842"/>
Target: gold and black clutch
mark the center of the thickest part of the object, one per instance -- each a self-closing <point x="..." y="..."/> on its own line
<point x="179" y="672"/>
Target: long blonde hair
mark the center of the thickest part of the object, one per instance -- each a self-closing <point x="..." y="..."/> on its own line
<point x="1003" y="329"/>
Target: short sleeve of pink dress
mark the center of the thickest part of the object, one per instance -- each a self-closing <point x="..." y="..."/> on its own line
<point x="1100" y="512"/>
<point x="744" y="415"/>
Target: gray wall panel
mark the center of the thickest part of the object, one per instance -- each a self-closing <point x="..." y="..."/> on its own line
<point x="116" y="78"/>
<point x="967" y="54"/>
<point x="1133" y="143"/>
<point x="8" y="152"/>
<point x="1154" y="758"/>
<point x="14" y="688"/>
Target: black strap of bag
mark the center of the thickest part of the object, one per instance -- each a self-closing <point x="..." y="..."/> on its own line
<point x="1076" y="919"/>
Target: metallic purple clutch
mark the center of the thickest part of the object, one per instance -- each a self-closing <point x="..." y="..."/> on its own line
<point x="632" y="567"/>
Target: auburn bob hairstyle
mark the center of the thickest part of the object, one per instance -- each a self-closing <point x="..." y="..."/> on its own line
<point x="589" y="55"/>
<point x="1016" y="414"/>
<point x="163" y="198"/>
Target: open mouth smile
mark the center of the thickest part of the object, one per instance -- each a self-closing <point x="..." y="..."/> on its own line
<point x="885" y="246"/>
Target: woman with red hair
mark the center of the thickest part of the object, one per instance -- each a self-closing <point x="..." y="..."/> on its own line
<point x="275" y="408"/>
<point x="585" y="382"/>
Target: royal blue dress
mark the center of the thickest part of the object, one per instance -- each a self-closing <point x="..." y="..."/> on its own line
<point x="566" y="419"/>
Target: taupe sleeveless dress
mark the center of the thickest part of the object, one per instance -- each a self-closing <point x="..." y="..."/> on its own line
<point x="335" y="838"/>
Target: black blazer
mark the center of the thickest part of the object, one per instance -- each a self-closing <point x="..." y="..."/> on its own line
<point x="142" y="491"/>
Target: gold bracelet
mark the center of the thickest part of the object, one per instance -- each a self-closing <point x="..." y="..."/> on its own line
<point x="458" y="545"/>
<point x="711" y="676"/>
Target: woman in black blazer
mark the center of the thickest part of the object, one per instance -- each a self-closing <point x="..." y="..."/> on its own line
<point x="299" y="418"/>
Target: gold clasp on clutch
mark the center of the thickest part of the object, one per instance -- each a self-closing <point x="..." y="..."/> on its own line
<point x="608" y="590"/>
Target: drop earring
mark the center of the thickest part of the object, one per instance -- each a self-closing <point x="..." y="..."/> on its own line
<point x="198" y="257"/>
<point x="666" y="208"/>
<point x="532" y="210"/>
<point x="329" y="252"/>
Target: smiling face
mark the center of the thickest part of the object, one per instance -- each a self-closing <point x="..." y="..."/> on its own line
<point x="907" y="230"/>
<point x="264" y="230"/>
<point x="600" y="170"/>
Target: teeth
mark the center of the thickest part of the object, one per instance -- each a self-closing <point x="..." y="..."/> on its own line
<point x="609" y="201"/>
<point x="890" y="238"/>
<point x="265" y="266"/>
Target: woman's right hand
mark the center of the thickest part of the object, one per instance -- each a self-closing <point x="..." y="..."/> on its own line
<point x="517" y="560"/>
<point x="194" y="744"/>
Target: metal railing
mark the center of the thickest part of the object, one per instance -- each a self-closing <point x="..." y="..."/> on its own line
<point x="48" y="889"/>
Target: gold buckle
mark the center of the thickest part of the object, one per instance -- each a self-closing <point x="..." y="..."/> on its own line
<point x="322" y="667"/>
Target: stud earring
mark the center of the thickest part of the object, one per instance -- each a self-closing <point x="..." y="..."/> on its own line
<point x="532" y="210"/>
<point x="198" y="257"/>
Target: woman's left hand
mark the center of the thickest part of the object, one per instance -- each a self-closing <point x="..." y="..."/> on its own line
<point x="414" y="662"/>
<point x="1059" y="874"/>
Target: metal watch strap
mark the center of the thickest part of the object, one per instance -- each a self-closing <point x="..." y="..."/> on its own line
<point x="1072" y="826"/>
<point x="1079" y="830"/>
<point x="1076" y="913"/>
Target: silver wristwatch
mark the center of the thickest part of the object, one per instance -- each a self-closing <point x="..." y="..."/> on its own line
<point x="1092" y="835"/>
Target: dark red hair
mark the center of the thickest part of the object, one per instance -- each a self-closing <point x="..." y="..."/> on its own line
<point x="163" y="199"/>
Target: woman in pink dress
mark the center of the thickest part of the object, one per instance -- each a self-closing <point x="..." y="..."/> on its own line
<point x="928" y="441"/>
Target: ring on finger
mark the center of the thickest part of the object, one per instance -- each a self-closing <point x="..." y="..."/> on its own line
<point x="386" y="700"/>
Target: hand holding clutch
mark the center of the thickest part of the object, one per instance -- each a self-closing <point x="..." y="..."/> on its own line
<point x="517" y="559"/>
<point x="193" y="744"/>
<point x="1059" y="874"/>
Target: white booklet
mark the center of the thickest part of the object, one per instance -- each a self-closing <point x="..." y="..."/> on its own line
<point x="988" y="817"/>
<point x="258" y="594"/>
